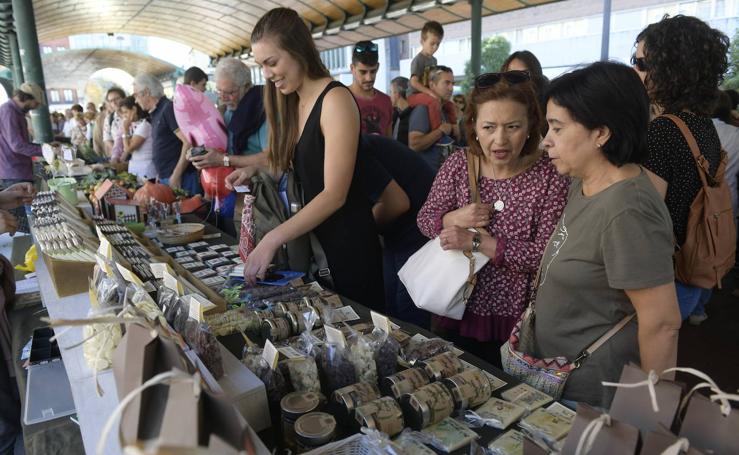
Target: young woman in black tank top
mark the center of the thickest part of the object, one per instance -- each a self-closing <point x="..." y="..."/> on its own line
<point x="314" y="129"/>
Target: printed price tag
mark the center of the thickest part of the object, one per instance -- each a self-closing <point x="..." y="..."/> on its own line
<point x="158" y="269"/>
<point x="344" y="314"/>
<point x="172" y="283"/>
<point x="290" y="352"/>
<point x="129" y="275"/>
<point x="270" y="354"/>
<point x="380" y="321"/>
<point x="198" y="306"/>
<point x="335" y="336"/>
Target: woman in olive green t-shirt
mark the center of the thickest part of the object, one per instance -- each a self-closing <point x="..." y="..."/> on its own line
<point x="611" y="254"/>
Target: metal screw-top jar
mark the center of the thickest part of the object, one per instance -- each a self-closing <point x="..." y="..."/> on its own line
<point x="442" y="366"/>
<point x="275" y="329"/>
<point x="384" y="415"/>
<point x="412" y="379"/>
<point x="348" y="398"/>
<point x="297" y="322"/>
<point x="428" y="405"/>
<point x="314" y="430"/>
<point x="282" y="308"/>
<point x="469" y="388"/>
<point x="293" y="406"/>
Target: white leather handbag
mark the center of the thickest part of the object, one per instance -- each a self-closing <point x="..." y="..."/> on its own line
<point x="441" y="281"/>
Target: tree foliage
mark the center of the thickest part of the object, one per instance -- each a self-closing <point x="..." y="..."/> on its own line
<point x="732" y="76"/>
<point x="494" y="52"/>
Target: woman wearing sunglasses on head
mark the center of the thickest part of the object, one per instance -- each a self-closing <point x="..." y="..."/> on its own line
<point x="681" y="61"/>
<point x="611" y="254"/>
<point x="522" y="197"/>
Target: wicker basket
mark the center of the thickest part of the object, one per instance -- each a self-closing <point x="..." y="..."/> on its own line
<point x="357" y="444"/>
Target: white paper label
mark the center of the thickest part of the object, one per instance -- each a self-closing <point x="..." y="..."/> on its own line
<point x="172" y="283"/>
<point x="344" y="314"/>
<point x="290" y="352"/>
<point x="270" y="354"/>
<point x="198" y="305"/>
<point x="380" y="321"/>
<point x="158" y="269"/>
<point x="335" y="336"/>
<point x="129" y="275"/>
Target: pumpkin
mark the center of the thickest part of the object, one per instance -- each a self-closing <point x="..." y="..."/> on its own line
<point x="156" y="191"/>
<point x="213" y="180"/>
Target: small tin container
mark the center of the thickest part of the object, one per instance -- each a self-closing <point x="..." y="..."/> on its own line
<point x="442" y="366"/>
<point x="282" y="308"/>
<point x="314" y="430"/>
<point x="293" y="406"/>
<point x="414" y="378"/>
<point x="275" y="329"/>
<point x="297" y="322"/>
<point x="265" y="314"/>
<point x="428" y="405"/>
<point x="383" y="414"/>
<point x="349" y="398"/>
<point x="469" y="388"/>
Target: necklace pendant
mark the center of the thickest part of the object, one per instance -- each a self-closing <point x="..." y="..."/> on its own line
<point x="499" y="206"/>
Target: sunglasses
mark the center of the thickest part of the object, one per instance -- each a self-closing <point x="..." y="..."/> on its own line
<point x="365" y="48"/>
<point x="511" y="77"/>
<point x="640" y="63"/>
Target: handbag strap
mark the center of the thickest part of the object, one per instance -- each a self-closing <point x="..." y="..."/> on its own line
<point x="473" y="176"/>
<point x="700" y="159"/>
<point x="602" y="340"/>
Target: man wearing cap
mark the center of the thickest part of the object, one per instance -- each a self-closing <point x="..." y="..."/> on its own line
<point x="375" y="107"/>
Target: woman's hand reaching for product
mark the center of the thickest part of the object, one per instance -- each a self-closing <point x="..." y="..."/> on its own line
<point x="456" y="238"/>
<point x="258" y="261"/>
<point x="471" y="215"/>
<point x="213" y="158"/>
<point x="240" y="176"/>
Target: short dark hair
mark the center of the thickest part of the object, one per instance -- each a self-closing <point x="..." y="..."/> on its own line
<point x="364" y="55"/>
<point x="734" y="97"/>
<point x="129" y="102"/>
<point x="685" y="61"/>
<point x="607" y="94"/>
<point x="117" y="90"/>
<point x="722" y="109"/>
<point x="194" y="74"/>
<point x="401" y="83"/>
<point x="22" y="96"/>
<point x="432" y="27"/>
<point x="77" y="108"/>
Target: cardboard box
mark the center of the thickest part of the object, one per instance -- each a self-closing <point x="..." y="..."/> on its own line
<point x="69" y="277"/>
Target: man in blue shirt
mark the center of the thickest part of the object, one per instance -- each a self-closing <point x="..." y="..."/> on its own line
<point x="169" y="144"/>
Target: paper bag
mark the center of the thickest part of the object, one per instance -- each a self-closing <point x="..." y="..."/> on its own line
<point x="142" y="354"/>
<point x="634" y="405"/>
<point x="708" y="429"/>
<point x="655" y="443"/>
<point x="618" y="438"/>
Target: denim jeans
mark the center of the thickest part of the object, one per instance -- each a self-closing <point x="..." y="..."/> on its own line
<point x="190" y="182"/>
<point x="692" y="299"/>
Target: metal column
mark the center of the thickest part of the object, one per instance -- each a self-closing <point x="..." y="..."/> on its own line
<point x="15" y="55"/>
<point x="605" y="36"/>
<point x="25" y="26"/>
<point x="476" y="39"/>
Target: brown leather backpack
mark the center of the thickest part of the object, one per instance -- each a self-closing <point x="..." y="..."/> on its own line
<point x="710" y="242"/>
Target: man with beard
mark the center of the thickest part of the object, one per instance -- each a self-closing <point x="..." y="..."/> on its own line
<point x="375" y="107"/>
<point x="16" y="149"/>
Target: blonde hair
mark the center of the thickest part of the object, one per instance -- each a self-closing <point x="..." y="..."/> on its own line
<point x="288" y="32"/>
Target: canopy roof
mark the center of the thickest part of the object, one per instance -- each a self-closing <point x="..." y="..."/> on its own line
<point x="220" y="27"/>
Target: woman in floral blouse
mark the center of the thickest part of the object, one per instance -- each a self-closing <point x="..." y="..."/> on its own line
<point x="522" y="198"/>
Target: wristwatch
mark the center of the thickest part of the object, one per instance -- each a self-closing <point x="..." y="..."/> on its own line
<point x="476" y="240"/>
<point x="226" y="160"/>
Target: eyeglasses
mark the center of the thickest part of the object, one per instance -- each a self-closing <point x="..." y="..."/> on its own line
<point x="512" y="77"/>
<point x="640" y="63"/>
<point x="365" y="47"/>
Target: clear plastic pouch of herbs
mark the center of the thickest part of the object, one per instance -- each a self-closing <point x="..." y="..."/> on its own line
<point x="336" y="368"/>
<point x="274" y="381"/>
<point x="361" y="354"/>
<point x="200" y="339"/>
<point x="386" y="349"/>
<point x="425" y="349"/>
